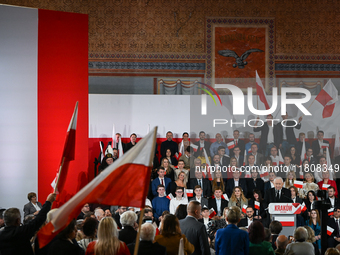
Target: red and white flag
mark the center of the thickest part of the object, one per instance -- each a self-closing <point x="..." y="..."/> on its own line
<point x="303" y="207"/>
<point x="101" y="151"/>
<point x="133" y="170"/>
<point x="264" y="172"/>
<point x="244" y="208"/>
<point x="212" y="213"/>
<point x="210" y="176"/>
<point x="181" y="151"/>
<point x="330" y="230"/>
<point x="120" y="148"/>
<point x="330" y="211"/>
<point x="303" y="152"/>
<point x="298" y="184"/>
<point x="325" y="186"/>
<point x="225" y="197"/>
<point x="170" y="196"/>
<point x="231" y="145"/>
<point x="113" y="136"/>
<point x="327" y="97"/>
<point x="189" y="192"/>
<point x="68" y="153"/>
<point x="257" y="205"/>
<point x="286" y="221"/>
<point x="261" y="92"/>
<point x="324" y="145"/>
<point x="194" y="147"/>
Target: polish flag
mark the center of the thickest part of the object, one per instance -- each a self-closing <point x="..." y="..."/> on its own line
<point x="249" y="151"/>
<point x="324" y="145"/>
<point x="189" y="192"/>
<point x="264" y="173"/>
<point x="303" y="152"/>
<point x="231" y="145"/>
<point x="113" y="136"/>
<point x="133" y="170"/>
<point x="225" y="197"/>
<point x="247" y="174"/>
<point x="244" y="208"/>
<point x="331" y="212"/>
<point x="327" y="97"/>
<point x="261" y="92"/>
<point x="212" y="213"/>
<point x="181" y="151"/>
<point x="194" y="147"/>
<point x="303" y="207"/>
<point x="257" y="205"/>
<point x="68" y="153"/>
<point x="286" y="221"/>
<point x="120" y="148"/>
<point x="210" y="177"/>
<point x="325" y="186"/>
<point x="298" y="184"/>
<point x="170" y="196"/>
<point x="101" y="151"/>
<point x="330" y="230"/>
<point x="337" y="144"/>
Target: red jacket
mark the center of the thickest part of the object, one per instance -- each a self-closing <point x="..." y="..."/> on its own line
<point x="332" y="183"/>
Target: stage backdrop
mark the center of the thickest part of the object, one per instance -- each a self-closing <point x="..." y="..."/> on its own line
<point x="43" y="71"/>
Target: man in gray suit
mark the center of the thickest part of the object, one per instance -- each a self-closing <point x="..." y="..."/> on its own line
<point x="195" y="231"/>
<point x="198" y="196"/>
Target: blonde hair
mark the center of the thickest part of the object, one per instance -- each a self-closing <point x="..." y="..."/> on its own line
<point x="233" y="196"/>
<point x="234" y="214"/>
<point x="311" y="236"/>
<point x="169" y="167"/>
<point x="107" y="242"/>
<point x="310" y="175"/>
<point x="287" y="184"/>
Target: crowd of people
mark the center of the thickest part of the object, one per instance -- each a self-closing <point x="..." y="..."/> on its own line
<point x="204" y="198"/>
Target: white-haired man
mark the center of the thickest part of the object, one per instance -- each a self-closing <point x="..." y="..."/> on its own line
<point x="278" y="193"/>
<point x="128" y="233"/>
<point x="146" y="245"/>
<point x="99" y="213"/>
<point x="300" y="246"/>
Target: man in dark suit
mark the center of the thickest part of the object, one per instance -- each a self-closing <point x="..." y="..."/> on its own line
<point x="128" y="146"/>
<point x="146" y="245"/>
<point x="238" y="142"/>
<point x="245" y="222"/>
<point x="271" y="134"/>
<point x="318" y="144"/>
<point x="195" y="231"/>
<point x="204" y="183"/>
<point x="334" y="239"/>
<point x="14" y="237"/>
<point x="334" y="201"/>
<point x="202" y="144"/>
<point x="255" y="182"/>
<point x="161" y="179"/>
<point x="258" y="156"/>
<point x="236" y="181"/>
<point x="169" y="144"/>
<point x="299" y="144"/>
<point x="310" y="157"/>
<point x="278" y="194"/>
<point x="116" y="217"/>
<point x="239" y="157"/>
<point x="224" y="159"/>
<point x="275" y="228"/>
<point x="218" y="203"/>
<point x="289" y="138"/>
<point x="198" y="196"/>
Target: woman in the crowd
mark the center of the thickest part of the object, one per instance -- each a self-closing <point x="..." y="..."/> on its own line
<point x="66" y="244"/>
<point x="257" y="245"/>
<point x="238" y="199"/>
<point x="308" y="185"/>
<point x="309" y="201"/>
<point x="218" y="182"/>
<point x="180" y="169"/>
<point x="33" y="206"/>
<point x="294" y="195"/>
<point x="128" y="233"/>
<point x="293" y="154"/>
<point x="172" y="160"/>
<point x="179" y="199"/>
<point x="291" y="178"/>
<point x="259" y="214"/>
<point x="326" y="180"/>
<point x="180" y="182"/>
<point x="315" y="223"/>
<point x="233" y="166"/>
<point x="108" y="242"/>
<point x="202" y="157"/>
<point x="312" y="239"/>
<point x="254" y="182"/>
<point x="168" y="169"/>
<point x="90" y="227"/>
<point x="171" y="235"/>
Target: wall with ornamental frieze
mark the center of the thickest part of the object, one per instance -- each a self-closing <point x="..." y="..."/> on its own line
<point x="143" y="29"/>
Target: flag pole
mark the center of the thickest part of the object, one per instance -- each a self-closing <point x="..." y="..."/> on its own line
<point x="60" y="168"/>
<point x="142" y="211"/>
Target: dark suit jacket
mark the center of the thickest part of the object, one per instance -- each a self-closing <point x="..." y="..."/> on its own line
<point x="241" y="144"/>
<point x="128" y="146"/>
<point x="16" y="239"/>
<point x="285" y="197"/>
<point x="299" y="147"/>
<point x="127" y="235"/>
<point x="225" y="161"/>
<point x="291" y="138"/>
<point x="196" y="234"/>
<point x="204" y="201"/>
<point x="30" y="209"/>
<point x="206" y="186"/>
<point x="277" y="131"/>
<point x="230" y="185"/>
<point x="267" y="187"/>
<point x="244" y="222"/>
<point x="212" y="204"/>
<point x="147" y="248"/>
<point x="156" y="182"/>
<point x="298" y="200"/>
<point x="173" y="146"/>
<point x="206" y="146"/>
<point x="251" y="186"/>
<point x="240" y="160"/>
<point x="116" y="217"/>
<point x="336" y="202"/>
<point x="332" y="224"/>
<point x="316" y="148"/>
<point x="259" y="159"/>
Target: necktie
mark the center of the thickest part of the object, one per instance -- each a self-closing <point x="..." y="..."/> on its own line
<point x="162" y="182"/>
<point x="200" y="183"/>
<point x="277" y="195"/>
<point x="236" y="142"/>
